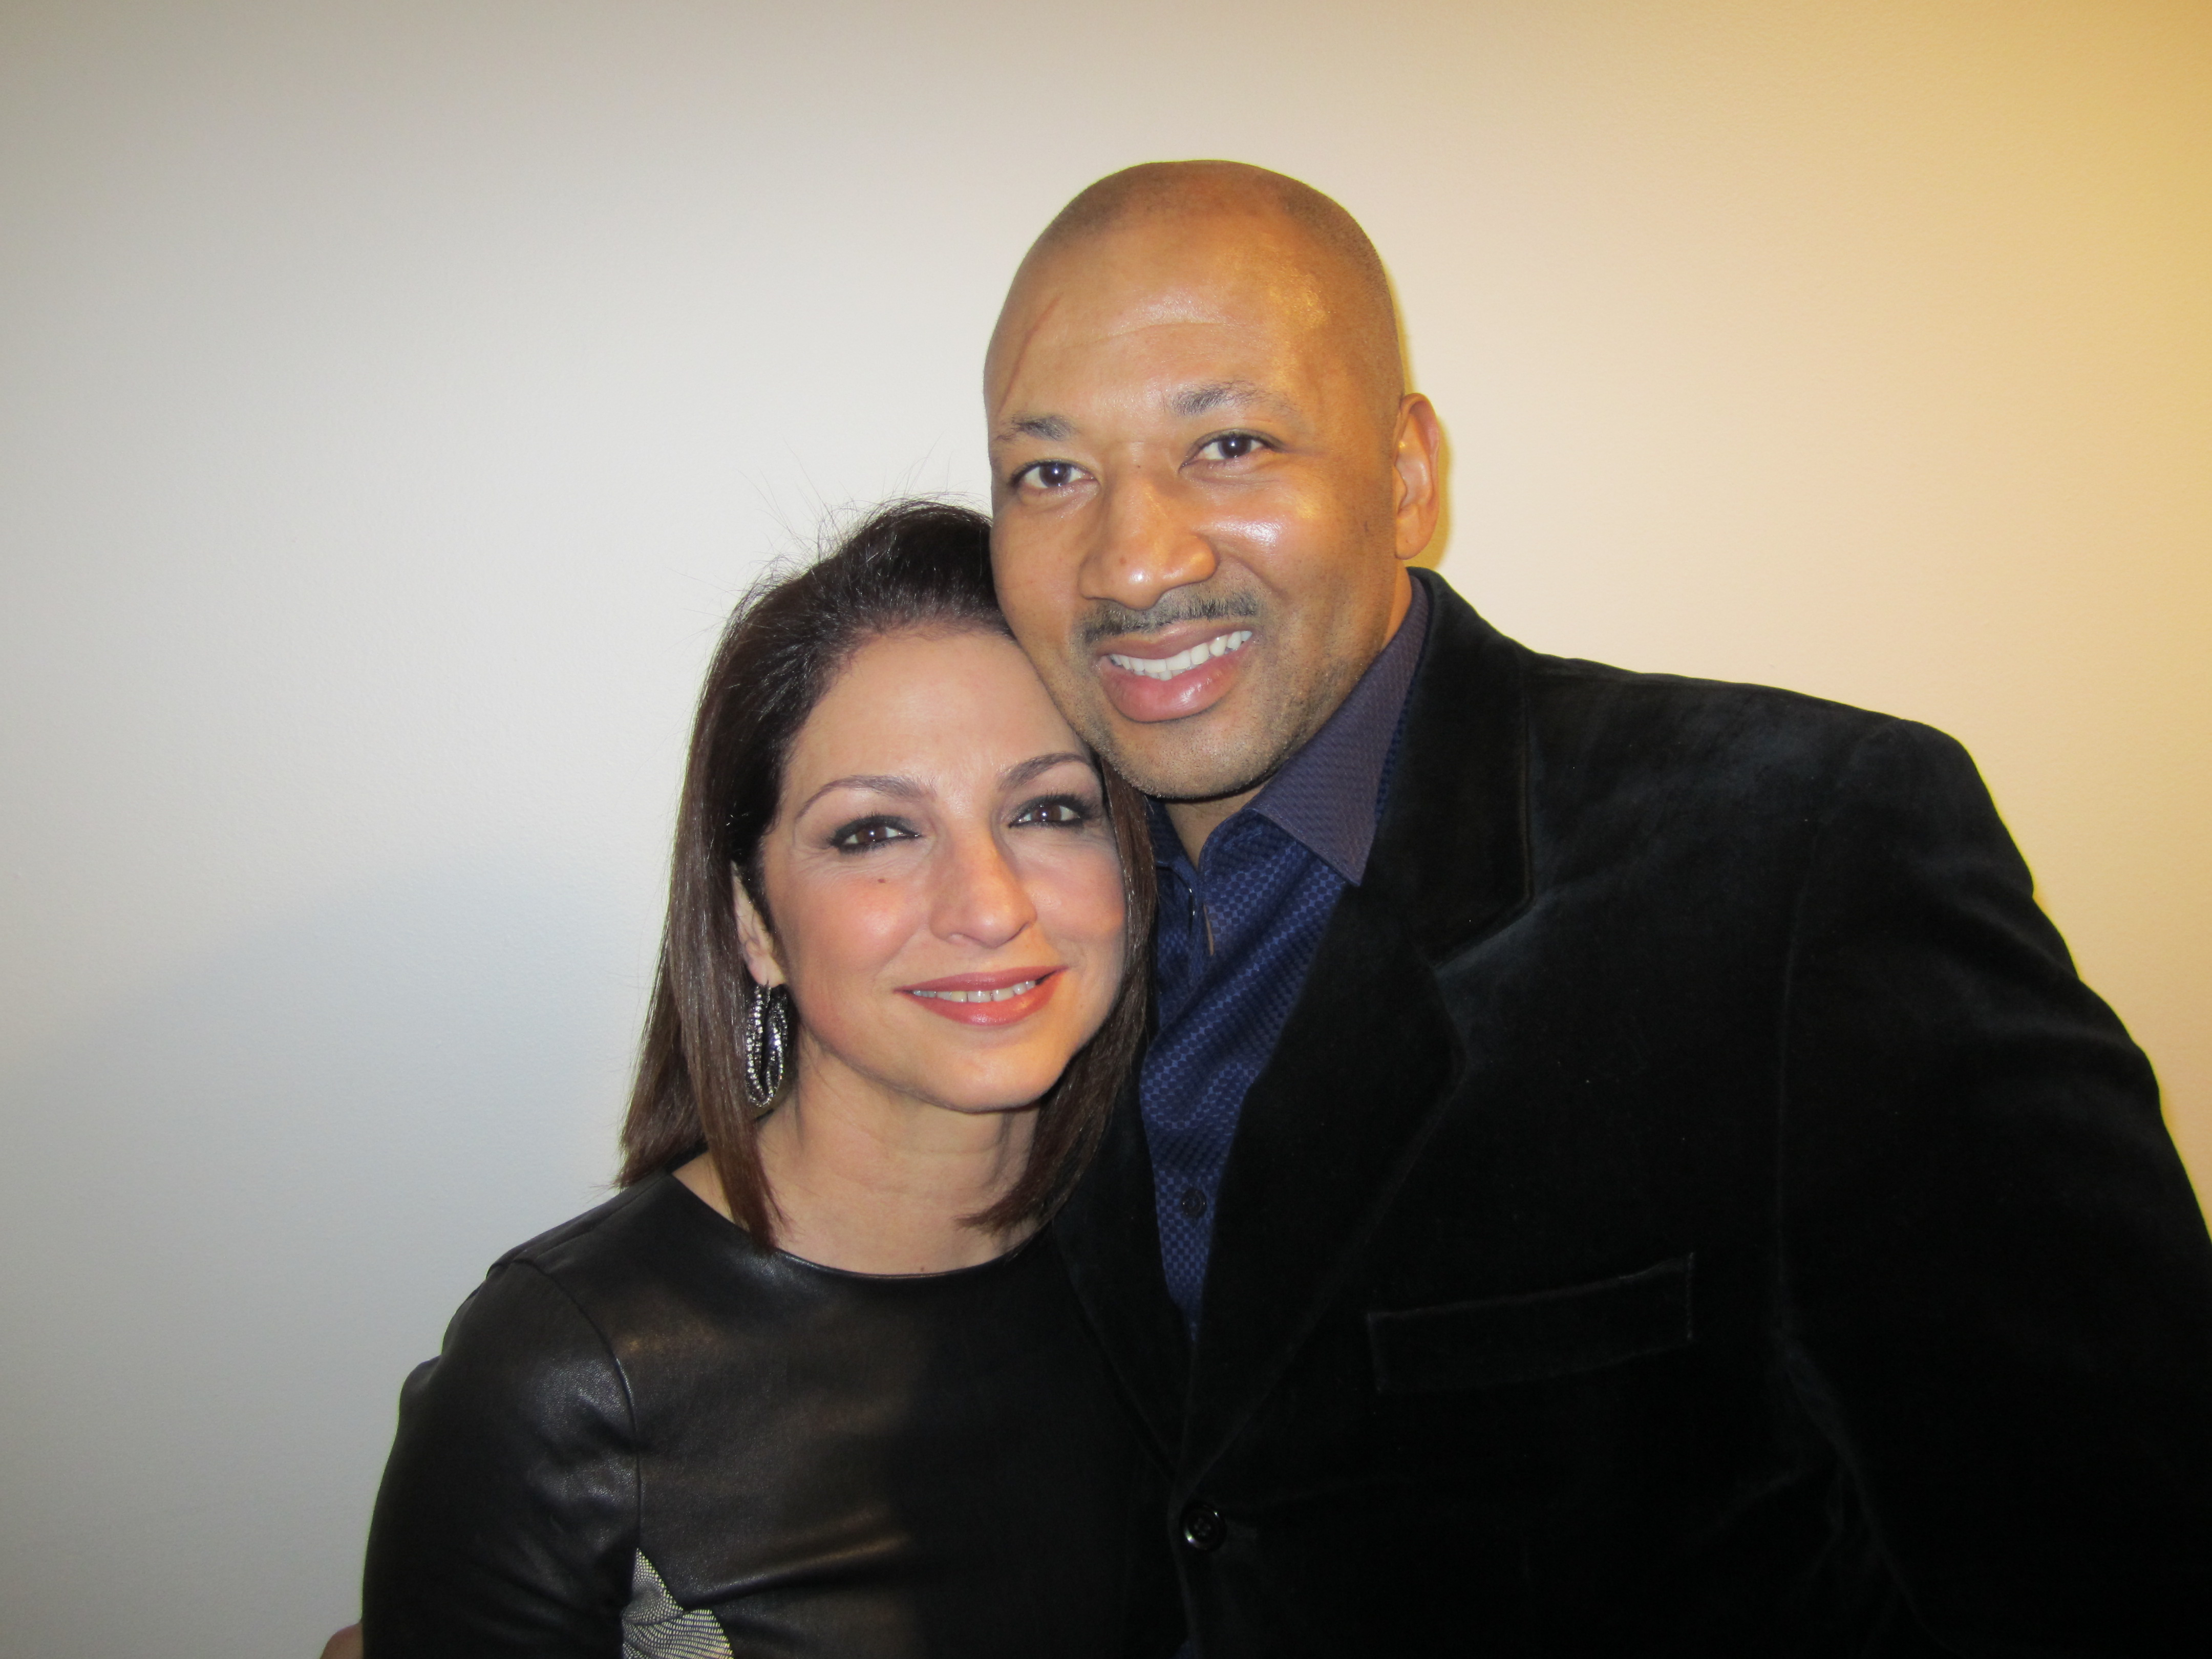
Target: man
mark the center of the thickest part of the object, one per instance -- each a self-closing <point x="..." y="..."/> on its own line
<point x="1624" y="1166"/>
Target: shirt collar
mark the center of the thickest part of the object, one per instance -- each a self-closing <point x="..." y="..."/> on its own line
<point x="1327" y="796"/>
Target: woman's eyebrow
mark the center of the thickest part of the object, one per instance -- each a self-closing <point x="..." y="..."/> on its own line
<point x="886" y="783"/>
<point x="1021" y="772"/>
<point x="879" y="782"/>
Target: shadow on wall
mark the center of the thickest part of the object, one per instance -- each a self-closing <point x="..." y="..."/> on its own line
<point x="233" y="1214"/>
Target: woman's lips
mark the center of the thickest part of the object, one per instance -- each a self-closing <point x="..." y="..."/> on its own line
<point x="1005" y="997"/>
<point x="1172" y="685"/>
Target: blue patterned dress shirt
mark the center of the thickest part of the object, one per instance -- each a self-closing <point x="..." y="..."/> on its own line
<point x="1237" y="932"/>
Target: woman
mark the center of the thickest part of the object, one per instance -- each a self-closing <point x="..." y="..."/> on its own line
<point x="810" y="1386"/>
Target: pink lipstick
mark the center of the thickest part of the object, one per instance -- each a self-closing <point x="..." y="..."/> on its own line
<point x="1006" y="996"/>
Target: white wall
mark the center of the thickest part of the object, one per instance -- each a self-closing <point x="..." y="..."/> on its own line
<point x="393" y="397"/>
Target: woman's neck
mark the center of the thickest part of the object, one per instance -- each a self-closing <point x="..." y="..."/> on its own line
<point x="876" y="1183"/>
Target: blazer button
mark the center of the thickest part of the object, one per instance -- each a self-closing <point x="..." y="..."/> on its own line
<point x="1203" y="1528"/>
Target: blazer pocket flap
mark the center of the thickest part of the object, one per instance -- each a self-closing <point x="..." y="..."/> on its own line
<point x="1525" y="1339"/>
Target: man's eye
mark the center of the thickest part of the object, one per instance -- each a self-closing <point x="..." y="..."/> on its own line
<point x="1048" y="475"/>
<point x="1232" y="446"/>
<point x="862" y="833"/>
<point x="1059" y="810"/>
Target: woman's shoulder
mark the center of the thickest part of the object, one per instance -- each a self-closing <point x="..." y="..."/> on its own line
<point x="611" y="1263"/>
<point x="609" y="1235"/>
<point x="552" y="1317"/>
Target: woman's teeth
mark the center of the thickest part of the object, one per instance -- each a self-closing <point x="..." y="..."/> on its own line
<point x="982" y="996"/>
<point x="1166" y="668"/>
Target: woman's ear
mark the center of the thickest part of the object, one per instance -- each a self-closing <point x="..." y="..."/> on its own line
<point x="755" y="939"/>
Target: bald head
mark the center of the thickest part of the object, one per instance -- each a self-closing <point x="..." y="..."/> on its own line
<point x="1243" y="216"/>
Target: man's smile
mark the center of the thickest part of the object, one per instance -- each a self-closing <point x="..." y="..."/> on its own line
<point x="1176" y="672"/>
<point x="1166" y="668"/>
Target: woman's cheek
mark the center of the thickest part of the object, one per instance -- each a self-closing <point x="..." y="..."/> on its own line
<point x="1087" y="905"/>
<point x="851" y="924"/>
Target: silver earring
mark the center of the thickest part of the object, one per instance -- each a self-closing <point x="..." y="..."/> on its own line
<point x="768" y="1044"/>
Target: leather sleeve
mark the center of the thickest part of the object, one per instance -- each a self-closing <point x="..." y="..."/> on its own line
<point x="1999" y="1281"/>
<point x="506" y="1522"/>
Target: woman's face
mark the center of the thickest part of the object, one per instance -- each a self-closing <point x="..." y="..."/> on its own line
<point x="946" y="897"/>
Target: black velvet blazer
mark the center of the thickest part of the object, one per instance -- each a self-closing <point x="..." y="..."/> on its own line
<point x="1694" y="1209"/>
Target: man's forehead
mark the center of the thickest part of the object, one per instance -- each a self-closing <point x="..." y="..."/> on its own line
<point x="1114" y="287"/>
<point x="1073" y="301"/>
<point x="1170" y="352"/>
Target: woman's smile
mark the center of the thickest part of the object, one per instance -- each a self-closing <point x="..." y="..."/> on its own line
<point x="1004" y="998"/>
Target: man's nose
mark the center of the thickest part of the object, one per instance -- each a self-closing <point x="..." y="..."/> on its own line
<point x="1148" y="543"/>
<point x="980" y="898"/>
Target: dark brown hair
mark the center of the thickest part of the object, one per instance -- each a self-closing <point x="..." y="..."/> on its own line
<point x="909" y="565"/>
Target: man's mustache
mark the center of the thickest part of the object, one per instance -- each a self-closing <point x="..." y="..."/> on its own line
<point x="1108" y="620"/>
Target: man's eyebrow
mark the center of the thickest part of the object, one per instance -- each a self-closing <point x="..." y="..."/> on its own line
<point x="1037" y="765"/>
<point x="1192" y="401"/>
<point x="1052" y="429"/>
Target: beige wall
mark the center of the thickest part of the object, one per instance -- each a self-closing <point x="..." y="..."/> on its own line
<point x="394" y="396"/>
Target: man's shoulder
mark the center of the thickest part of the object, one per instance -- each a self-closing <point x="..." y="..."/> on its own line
<point x="1580" y="716"/>
<point x="1731" y="742"/>
<point x="1569" y="688"/>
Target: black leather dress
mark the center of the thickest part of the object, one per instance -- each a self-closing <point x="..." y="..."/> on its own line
<point x="646" y="1437"/>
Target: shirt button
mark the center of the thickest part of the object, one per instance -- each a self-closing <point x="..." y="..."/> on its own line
<point x="1203" y="1528"/>
<point x="1192" y="1203"/>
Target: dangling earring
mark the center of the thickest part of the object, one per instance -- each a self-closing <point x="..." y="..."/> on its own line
<point x="768" y="1044"/>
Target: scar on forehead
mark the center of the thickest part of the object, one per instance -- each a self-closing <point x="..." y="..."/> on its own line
<point x="1001" y="369"/>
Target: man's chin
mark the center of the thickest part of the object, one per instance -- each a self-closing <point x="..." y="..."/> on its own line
<point x="1183" y="763"/>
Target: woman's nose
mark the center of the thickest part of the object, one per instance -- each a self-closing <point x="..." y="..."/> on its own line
<point x="1145" y="544"/>
<point x="980" y="898"/>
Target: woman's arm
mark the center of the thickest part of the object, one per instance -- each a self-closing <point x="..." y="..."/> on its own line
<point x="508" y="1520"/>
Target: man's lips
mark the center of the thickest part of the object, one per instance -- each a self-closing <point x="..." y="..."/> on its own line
<point x="1180" y="671"/>
<point x="1003" y="997"/>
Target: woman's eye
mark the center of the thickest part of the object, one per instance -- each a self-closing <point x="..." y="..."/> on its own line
<point x="1060" y="810"/>
<point x="865" y="833"/>
<point x="1048" y="475"/>
<point x="1231" y="446"/>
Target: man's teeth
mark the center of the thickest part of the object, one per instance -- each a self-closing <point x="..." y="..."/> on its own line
<point x="982" y="996"/>
<point x="1166" y="668"/>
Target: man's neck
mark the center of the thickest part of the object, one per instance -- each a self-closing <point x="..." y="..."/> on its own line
<point x="1194" y="820"/>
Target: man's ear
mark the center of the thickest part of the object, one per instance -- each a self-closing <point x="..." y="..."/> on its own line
<point x="1417" y="456"/>
<point x="755" y="939"/>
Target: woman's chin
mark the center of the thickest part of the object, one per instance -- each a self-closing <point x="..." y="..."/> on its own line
<point x="994" y="1099"/>
<point x="985" y="1090"/>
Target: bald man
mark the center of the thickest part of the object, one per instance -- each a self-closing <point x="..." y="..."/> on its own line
<point x="1624" y="1166"/>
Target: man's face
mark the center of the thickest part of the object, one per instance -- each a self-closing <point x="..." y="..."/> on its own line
<point x="1197" y="500"/>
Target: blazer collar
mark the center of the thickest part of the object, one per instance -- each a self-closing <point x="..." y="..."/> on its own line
<point x="1451" y="855"/>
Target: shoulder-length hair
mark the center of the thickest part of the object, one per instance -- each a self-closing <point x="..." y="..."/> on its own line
<point x="909" y="565"/>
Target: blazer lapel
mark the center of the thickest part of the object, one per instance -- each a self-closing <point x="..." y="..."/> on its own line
<point x="1109" y="1236"/>
<point x="1369" y="1054"/>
